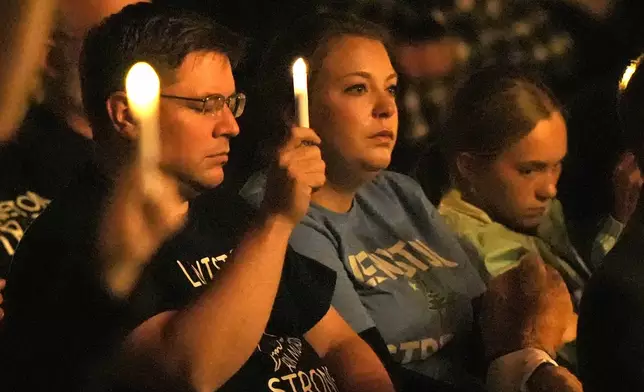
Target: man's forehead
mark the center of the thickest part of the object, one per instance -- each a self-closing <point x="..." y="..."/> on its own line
<point x="204" y="59"/>
<point x="204" y="72"/>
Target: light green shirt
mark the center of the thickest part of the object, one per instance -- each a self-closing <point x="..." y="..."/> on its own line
<point x="501" y="248"/>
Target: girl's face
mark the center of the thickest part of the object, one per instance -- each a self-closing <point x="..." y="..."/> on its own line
<point x="516" y="188"/>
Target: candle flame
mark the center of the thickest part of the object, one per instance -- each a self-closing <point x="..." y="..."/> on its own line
<point x="628" y="74"/>
<point x="142" y="85"/>
<point x="299" y="74"/>
<point x="299" y="66"/>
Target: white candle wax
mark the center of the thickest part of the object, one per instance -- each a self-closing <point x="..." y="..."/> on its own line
<point x="300" y="90"/>
<point x="142" y="87"/>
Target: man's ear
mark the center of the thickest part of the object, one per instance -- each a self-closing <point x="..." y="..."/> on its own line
<point x="121" y="116"/>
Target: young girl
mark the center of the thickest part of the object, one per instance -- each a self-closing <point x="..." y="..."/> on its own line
<point x="505" y="139"/>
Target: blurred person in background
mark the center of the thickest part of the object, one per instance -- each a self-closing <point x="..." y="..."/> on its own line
<point x="54" y="139"/>
<point x="24" y="30"/>
<point x="135" y="222"/>
<point x="611" y="319"/>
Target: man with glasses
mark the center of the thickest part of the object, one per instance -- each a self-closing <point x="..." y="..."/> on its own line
<point x="224" y="304"/>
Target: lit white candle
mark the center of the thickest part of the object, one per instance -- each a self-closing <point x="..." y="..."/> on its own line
<point x="300" y="89"/>
<point x="142" y="87"/>
<point x="628" y="74"/>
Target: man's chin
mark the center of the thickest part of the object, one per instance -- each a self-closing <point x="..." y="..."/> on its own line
<point x="207" y="184"/>
<point x="192" y="187"/>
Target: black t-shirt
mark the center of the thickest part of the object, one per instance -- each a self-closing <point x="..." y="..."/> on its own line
<point x="57" y="314"/>
<point x="610" y="337"/>
<point x="37" y="164"/>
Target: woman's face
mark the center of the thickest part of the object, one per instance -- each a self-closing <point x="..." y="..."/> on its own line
<point x="353" y="107"/>
<point x="517" y="187"/>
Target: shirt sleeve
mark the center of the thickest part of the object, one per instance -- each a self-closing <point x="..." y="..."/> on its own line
<point x="310" y="288"/>
<point x="311" y="243"/>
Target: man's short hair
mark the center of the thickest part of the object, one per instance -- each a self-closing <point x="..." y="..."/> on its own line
<point x="160" y="35"/>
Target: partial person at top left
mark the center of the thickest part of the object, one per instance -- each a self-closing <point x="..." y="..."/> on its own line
<point x="54" y="139"/>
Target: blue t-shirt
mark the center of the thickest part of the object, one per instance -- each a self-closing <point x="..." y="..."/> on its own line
<point x="400" y="269"/>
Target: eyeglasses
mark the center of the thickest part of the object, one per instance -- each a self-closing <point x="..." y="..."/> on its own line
<point x="213" y="104"/>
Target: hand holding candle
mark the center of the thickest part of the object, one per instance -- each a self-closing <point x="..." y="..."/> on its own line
<point x="300" y="90"/>
<point x="146" y="206"/>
